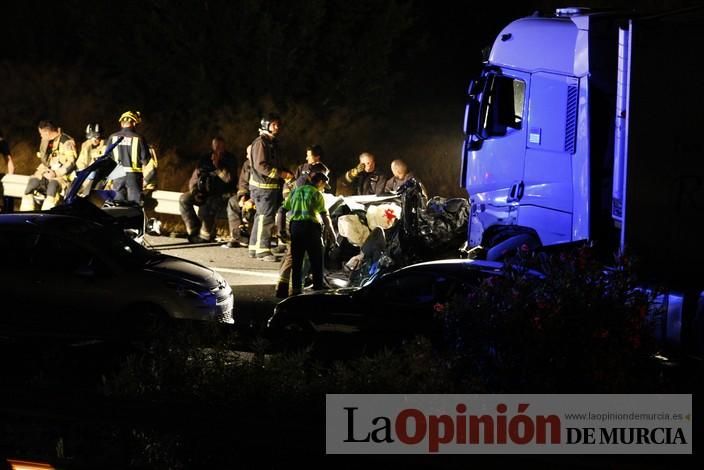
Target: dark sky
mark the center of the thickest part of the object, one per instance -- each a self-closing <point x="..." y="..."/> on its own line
<point x="338" y="69"/>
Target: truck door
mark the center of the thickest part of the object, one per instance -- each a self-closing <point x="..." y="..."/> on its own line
<point x="494" y="151"/>
<point x="546" y="192"/>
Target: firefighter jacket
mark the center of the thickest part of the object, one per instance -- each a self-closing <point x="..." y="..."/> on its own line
<point x="133" y="152"/>
<point x="368" y="183"/>
<point x="150" y="171"/>
<point x="58" y="155"/>
<point x="266" y="170"/>
<point x="89" y="153"/>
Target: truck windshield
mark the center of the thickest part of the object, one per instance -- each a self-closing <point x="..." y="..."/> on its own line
<point x="495" y="103"/>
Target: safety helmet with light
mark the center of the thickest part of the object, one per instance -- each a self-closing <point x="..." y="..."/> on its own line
<point x="94" y="131"/>
<point x="267" y="120"/>
<point x="133" y="116"/>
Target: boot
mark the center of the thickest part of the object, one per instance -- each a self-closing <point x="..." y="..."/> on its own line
<point x="27" y="203"/>
<point x="282" y="290"/>
<point x="49" y="202"/>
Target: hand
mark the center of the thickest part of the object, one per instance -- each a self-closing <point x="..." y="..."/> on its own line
<point x="287" y="175"/>
<point x="361" y="168"/>
<point x="331" y="238"/>
<point x="49" y="174"/>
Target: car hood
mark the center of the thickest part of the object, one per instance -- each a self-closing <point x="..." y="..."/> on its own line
<point x="184" y="270"/>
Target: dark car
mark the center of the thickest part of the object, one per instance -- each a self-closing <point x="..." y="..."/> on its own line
<point x="405" y="302"/>
<point x="72" y="276"/>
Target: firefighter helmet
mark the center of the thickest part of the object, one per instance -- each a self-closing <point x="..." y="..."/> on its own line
<point x="94" y="131"/>
<point x="133" y="116"/>
<point x="267" y="120"/>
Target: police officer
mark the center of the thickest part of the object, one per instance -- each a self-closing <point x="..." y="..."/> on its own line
<point x="57" y="156"/>
<point x="265" y="184"/>
<point x="133" y="154"/>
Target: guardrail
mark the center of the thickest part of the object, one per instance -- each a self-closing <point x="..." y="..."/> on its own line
<point x="167" y="201"/>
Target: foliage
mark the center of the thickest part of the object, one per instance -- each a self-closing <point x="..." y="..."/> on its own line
<point x="582" y="328"/>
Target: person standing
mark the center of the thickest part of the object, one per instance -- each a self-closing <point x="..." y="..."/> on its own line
<point x="133" y="154"/>
<point x="92" y="148"/>
<point x="211" y="183"/>
<point x="314" y="154"/>
<point x="283" y="224"/>
<point x="8" y="203"/>
<point x="265" y="184"/>
<point x="57" y="156"/>
<point x="307" y="208"/>
<point x="365" y="178"/>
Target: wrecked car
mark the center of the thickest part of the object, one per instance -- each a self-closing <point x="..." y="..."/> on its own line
<point x="407" y="302"/>
<point x="379" y="234"/>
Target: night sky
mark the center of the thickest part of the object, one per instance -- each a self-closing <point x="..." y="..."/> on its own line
<point x="382" y="76"/>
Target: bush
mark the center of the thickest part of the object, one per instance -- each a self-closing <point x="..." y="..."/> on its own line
<point x="581" y="329"/>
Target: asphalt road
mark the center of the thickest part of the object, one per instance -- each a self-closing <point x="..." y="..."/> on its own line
<point x="253" y="281"/>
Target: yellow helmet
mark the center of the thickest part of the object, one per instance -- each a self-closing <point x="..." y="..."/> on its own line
<point x="133" y="116"/>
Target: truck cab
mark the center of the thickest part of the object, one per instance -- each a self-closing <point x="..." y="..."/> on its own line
<point x="584" y="126"/>
<point x="528" y="122"/>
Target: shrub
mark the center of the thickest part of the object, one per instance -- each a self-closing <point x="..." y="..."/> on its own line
<point x="580" y="329"/>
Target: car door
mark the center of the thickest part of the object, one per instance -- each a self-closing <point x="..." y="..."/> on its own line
<point x="74" y="285"/>
<point x="405" y="302"/>
<point x="17" y="290"/>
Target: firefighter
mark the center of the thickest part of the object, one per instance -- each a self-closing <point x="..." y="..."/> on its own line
<point x="210" y="186"/>
<point x="92" y="148"/>
<point x="314" y="154"/>
<point x="265" y="184"/>
<point x="57" y="156"/>
<point x="133" y="154"/>
<point x="5" y="154"/>
<point x="365" y="178"/>
<point x="238" y="207"/>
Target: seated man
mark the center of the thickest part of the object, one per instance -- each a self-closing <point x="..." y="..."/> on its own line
<point x="57" y="156"/>
<point x="211" y="184"/>
<point x="239" y="209"/>
<point x="93" y="147"/>
<point x="10" y="169"/>
<point x="401" y="175"/>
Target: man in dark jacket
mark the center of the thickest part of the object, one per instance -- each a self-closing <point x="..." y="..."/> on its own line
<point x="211" y="184"/>
<point x="365" y="178"/>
